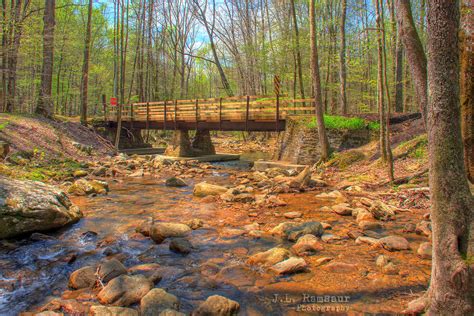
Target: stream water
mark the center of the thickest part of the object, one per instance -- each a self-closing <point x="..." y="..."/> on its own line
<point x="32" y="271"/>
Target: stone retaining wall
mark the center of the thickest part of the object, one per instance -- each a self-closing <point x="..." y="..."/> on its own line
<point x="299" y="144"/>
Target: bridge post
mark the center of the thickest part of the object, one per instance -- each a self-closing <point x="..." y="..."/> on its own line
<point x="247" y="110"/>
<point x="164" y="116"/>
<point x="197" y="115"/>
<point x="180" y="145"/>
<point x="175" y="113"/>
<point x="131" y="115"/>
<point x="104" y="105"/>
<point x="202" y="143"/>
<point x="220" y="114"/>
<point x="147" y="116"/>
<point x="277" y="123"/>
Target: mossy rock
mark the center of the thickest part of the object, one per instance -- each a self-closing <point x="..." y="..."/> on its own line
<point x="84" y="187"/>
<point x="344" y="159"/>
<point x="80" y="173"/>
<point x="413" y="148"/>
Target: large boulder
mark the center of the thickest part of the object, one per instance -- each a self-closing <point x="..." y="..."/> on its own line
<point x="217" y="305"/>
<point x="204" y="189"/>
<point x="125" y="290"/>
<point x="29" y="206"/>
<point x="160" y="231"/>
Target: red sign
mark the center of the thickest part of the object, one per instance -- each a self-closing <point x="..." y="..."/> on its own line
<point x="113" y="101"/>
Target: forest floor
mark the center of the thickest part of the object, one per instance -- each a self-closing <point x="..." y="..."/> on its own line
<point x="369" y="252"/>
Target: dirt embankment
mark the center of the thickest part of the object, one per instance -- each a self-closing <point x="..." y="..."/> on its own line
<point x="43" y="149"/>
<point x="56" y="138"/>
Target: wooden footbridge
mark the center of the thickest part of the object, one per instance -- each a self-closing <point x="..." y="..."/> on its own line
<point x="244" y="113"/>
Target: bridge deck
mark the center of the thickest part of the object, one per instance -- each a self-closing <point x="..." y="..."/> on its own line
<point x="248" y="113"/>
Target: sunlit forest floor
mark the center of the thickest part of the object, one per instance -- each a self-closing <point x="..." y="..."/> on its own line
<point x="373" y="244"/>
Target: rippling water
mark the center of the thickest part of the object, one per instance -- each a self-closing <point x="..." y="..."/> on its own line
<point x="32" y="271"/>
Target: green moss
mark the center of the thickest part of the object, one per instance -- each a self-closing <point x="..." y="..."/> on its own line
<point x="345" y="159"/>
<point x="342" y="122"/>
<point x="469" y="260"/>
<point x="416" y="148"/>
<point x="4" y="124"/>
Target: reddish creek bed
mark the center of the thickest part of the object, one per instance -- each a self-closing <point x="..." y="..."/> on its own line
<point x="34" y="271"/>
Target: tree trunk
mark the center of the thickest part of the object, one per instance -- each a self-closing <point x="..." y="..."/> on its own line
<point x="415" y="54"/>
<point x="467" y="85"/>
<point x="297" y="48"/>
<point x="323" y="139"/>
<point x="85" y="67"/>
<point x="399" y="77"/>
<point x="342" y="57"/>
<point x="380" y="85"/>
<point x="45" y="104"/>
<point x="451" y="289"/>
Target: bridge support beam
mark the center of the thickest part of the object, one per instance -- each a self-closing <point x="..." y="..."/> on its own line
<point x="202" y="143"/>
<point x="180" y="145"/>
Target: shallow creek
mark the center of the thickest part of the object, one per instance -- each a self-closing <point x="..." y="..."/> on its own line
<point x="32" y="271"/>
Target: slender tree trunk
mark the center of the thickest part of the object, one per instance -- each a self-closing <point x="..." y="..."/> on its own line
<point x="323" y="139"/>
<point x="85" y="67"/>
<point x="45" y="105"/>
<point x="342" y="59"/>
<point x="451" y="289"/>
<point x="380" y="84"/>
<point x="297" y="48"/>
<point x="415" y="54"/>
<point x="388" y="149"/>
<point x="467" y="85"/>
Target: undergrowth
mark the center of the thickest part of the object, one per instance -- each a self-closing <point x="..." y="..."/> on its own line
<point x="341" y="122"/>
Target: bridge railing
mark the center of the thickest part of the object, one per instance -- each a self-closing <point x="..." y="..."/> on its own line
<point x="237" y="109"/>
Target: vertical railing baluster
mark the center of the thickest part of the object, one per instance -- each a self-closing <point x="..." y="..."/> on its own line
<point x="247" y="111"/>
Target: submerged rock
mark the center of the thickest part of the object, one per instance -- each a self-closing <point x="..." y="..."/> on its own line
<point x="160" y="231"/>
<point x="29" y="206"/>
<point x="181" y="245"/>
<point x="217" y="305"/>
<point x="125" y="290"/>
<point x="156" y="301"/>
<point x="175" y="182"/>
<point x="341" y="267"/>
<point x="205" y="189"/>
<point x="149" y="270"/>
